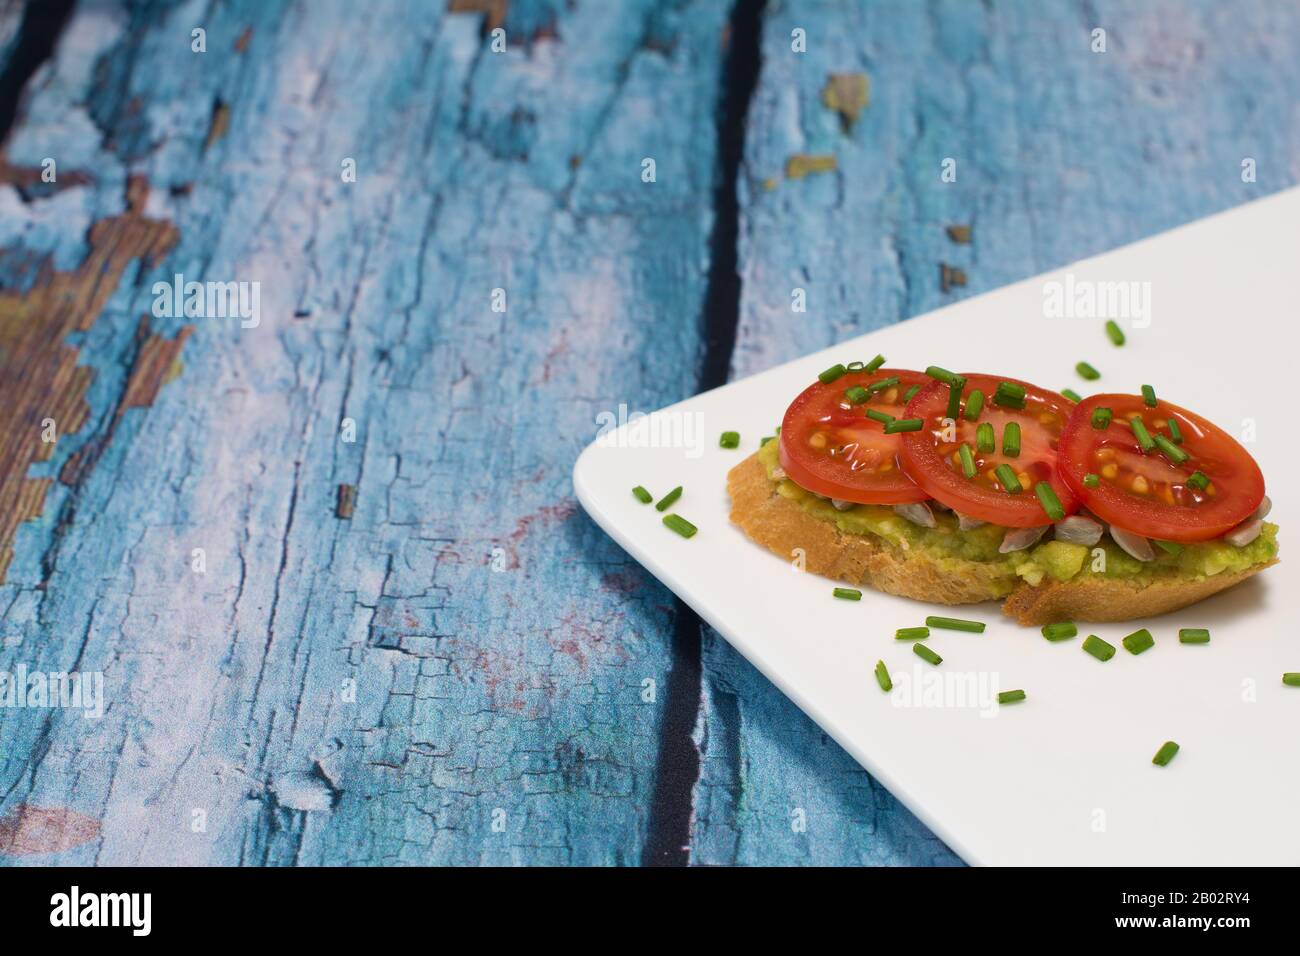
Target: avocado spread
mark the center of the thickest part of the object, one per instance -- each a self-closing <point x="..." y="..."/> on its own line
<point x="948" y="545"/>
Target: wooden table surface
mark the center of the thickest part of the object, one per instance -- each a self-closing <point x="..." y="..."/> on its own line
<point x="330" y="566"/>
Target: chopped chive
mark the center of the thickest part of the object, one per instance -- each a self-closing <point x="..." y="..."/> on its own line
<point x="1010" y="696"/>
<point x="1098" y="648"/>
<point x="1141" y="434"/>
<point x="942" y="374"/>
<point x="904" y="425"/>
<point x="1115" y="332"/>
<point x="1011" y="440"/>
<point x="765" y="439"/>
<point x="875" y="363"/>
<point x="954" y="399"/>
<point x="1047" y="498"/>
<point x="1165" y="753"/>
<point x="883" y="384"/>
<point x="927" y="655"/>
<point x="729" y="440"/>
<point x="679" y="524"/>
<point x="985" y="438"/>
<point x="831" y="374"/>
<point x="666" y="501"/>
<point x="1170" y="450"/>
<point x="955" y="624"/>
<point x="1175" y="432"/>
<point x="778" y="429"/>
<point x="907" y="396"/>
<point x="1291" y="679"/>
<point x="1168" y="547"/>
<point x="1149" y="395"/>
<point x="883" y="417"/>
<point x="1009" y="395"/>
<point x="848" y="594"/>
<point x="857" y="394"/>
<point x="1072" y="395"/>
<point x="642" y="495"/>
<point x="1101" y="417"/>
<point x="1193" y="635"/>
<point x="967" y="461"/>
<point x="1091" y="481"/>
<point x="1139" y="641"/>
<point x="1198" y="480"/>
<point x="1007" y="477"/>
<point x="882" y="677"/>
<point x="974" y="405"/>
<point x="911" y="633"/>
<point x="855" y="366"/>
<point x="1060" y="631"/>
<point x="1087" y="371"/>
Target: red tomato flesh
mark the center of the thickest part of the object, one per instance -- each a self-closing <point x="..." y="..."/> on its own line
<point x="1148" y="494"/>
<point x="830" y="447"/>
<point x="931" y="456"/>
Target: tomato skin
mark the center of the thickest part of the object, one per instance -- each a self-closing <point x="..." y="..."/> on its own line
<point x="820" y="408"/>
<point x="932" y="469"/>
<point x="1192" y="516"/>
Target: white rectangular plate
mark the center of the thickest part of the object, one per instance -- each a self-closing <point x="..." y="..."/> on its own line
<point x="1066" y="776"/>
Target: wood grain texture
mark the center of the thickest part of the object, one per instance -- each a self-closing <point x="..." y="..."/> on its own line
<point x="457" y="673"/>
<point x="1061" y="153"/>
<point x="448" y="663"/>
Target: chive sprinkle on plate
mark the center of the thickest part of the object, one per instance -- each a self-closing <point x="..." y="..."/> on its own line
<point x="874" y="364"/>
<point x="667" y="500"/>
<point x="1291" y="678"/>
<point x="1193" y="635"/>
<point x="1165" y="753"/>
<point x="680" y="525"/>
<point x="642" y="495"/>
<point x="1198" y="480"/>
<point x="1143" y="436"/>
<point x="943" y="375"/>
<point x="955" y="624"/>
<point x="883" y="417"/>
<point x="1175" y="433"/>
<point x="847" y="594"/>
<point x="1010" y="696"/>
<point x="911" y="633"/>
<point x="985" y="438"/>
<point x="1139" y="641"/>
<point x="831" y="374"/>
<point x="974" y="405"/>
<point x="1060" y="631"/>
<point x="857" y="395"/>
<point x="1170" y="450"/>
<point x="882" y="677"/>
<point x="1114" y="332"/>
<point x="729" y="440"/>
<point x="1098" y="648"/>
<point x="1091" y="480"/>
<point x="1149" y="395"/>
<point x="1087" y="371"/>
<point x="1101" y="417"/>
<point x="1072" y="395"/>
<point x="907" y="396"/>
<point x="927" y="655"/>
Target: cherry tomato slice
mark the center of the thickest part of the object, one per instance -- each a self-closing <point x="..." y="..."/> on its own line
<point x="830" y="446"/>
<point x="1147" y="493"/>
<point x="931" y="457"/>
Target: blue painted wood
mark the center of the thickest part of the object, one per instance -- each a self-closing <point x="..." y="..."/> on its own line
<point x="1061" y="153"/>
<point x="459" y="672"/>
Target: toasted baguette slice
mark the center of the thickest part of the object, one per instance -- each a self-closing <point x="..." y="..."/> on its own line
<point x="781" y="526"/>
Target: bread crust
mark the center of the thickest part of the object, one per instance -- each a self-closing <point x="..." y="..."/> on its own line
<point x="781" y="526"/>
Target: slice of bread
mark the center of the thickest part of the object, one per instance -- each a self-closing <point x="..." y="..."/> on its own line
<point x="782" y="526"/>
